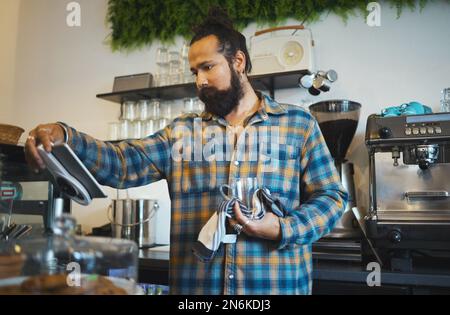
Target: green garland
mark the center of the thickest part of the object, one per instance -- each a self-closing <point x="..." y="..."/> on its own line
<point x="137" y="23"/>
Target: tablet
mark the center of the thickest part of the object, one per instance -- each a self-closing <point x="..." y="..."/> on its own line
<point x="72" y="178"/>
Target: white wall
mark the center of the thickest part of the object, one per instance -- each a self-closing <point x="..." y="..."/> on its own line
<point x="59" y="70"/>
<point x="9" y="19"/>
<point x="403" y="60"/>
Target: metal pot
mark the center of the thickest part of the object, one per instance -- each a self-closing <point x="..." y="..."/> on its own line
<point x="134" y="219"/>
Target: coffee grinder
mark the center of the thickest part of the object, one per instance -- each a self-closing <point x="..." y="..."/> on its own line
<point x="338" y="120"/>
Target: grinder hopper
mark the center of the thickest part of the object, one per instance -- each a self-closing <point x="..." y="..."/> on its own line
<point x="338" y="120"/>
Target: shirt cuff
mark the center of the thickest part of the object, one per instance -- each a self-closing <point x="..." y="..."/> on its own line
<point x="286" y="232"/>
<point x="65" y="130"/>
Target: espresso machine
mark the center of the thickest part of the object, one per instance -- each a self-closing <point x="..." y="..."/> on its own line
<point x="338" y="121"/>
<point x="409" y="211"/>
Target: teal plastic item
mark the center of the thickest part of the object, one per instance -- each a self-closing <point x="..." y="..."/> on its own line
<point x="411" y="108"/>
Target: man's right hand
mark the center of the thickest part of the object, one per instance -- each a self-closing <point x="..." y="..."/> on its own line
<point x="47" y="135"/>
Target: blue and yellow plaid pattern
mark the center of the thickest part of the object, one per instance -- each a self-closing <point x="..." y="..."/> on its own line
<point x="298" y="170"/>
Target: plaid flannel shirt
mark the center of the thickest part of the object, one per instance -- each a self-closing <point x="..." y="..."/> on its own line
<point x="281" y="145"/>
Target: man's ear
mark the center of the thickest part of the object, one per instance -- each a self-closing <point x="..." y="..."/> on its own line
<point x="239" y="62"/>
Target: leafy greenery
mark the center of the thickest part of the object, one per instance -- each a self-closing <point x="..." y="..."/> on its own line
<point x="137" y="23"/>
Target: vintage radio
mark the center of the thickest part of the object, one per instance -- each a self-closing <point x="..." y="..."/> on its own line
<point x="281" y="49"/>
<point x="132" y="82"/>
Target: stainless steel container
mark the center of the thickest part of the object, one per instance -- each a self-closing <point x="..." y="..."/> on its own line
<point x="134" y="219"/>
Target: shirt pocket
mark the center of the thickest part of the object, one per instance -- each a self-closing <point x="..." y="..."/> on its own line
<point x="279" y="170"/>
<point x="198" y="176"/>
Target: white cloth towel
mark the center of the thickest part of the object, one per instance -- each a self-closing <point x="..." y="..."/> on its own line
<point x="213" y="233"/>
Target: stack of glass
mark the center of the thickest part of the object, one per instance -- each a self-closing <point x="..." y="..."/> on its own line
<point x="192" y="105"/>
<point x="187" y="75"/>
<point x="173" y="66"/>
<point x="143" y="118"/>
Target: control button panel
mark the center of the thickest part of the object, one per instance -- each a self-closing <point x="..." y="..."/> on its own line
<point x="422" y="129"/>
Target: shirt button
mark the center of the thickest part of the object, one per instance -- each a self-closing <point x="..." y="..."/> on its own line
<point x="231" y="276"/>
<point x="236" y="163"/>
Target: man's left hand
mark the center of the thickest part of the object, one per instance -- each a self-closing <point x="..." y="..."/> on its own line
<point x="268" y="227"/>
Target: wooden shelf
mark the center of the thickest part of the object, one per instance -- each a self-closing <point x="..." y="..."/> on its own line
<point x="266" y="82"/>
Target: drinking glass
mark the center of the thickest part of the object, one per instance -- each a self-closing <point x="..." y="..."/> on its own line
<point x="154" y="108"/>
<point x="163" y="122"/>
<point x="174" y="57"/>
<point x="166" y="109"/>
<point x="244" y="188"/>
<point x="445" y="100"/>
<point x="162" y="55"/>
<point x="148" y="128"/>
<point x="143" y="112"/>
<point x="162" y="79"/>
<point x="185" y="69"/>
<point x="188" y="105"/>
<point x="162" y="62"/>
<point x="199" y="106"/>
<point x="135" y="131"/>
<point x="185" y="50"/>
<point x="113" y="131"/>
<point x="123" y="132"/>
<point x="129" y="110"/>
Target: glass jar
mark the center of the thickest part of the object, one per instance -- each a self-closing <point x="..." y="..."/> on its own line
<point x="66" y="264"/>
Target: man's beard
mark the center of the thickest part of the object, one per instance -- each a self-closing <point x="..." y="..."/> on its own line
<point x="222" y="102"/>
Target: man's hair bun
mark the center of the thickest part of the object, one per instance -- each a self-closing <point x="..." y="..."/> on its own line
<point x="218" y="23"/>
<point x="216" y="17"/>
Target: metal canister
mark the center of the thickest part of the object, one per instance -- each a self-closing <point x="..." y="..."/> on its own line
<point x="134" y="219"/>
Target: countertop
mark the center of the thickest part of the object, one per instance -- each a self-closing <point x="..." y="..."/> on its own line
<point x="154" y="268"/>
<point x="351" y="272"/>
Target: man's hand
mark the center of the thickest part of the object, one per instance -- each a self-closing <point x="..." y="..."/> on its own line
<point x="268" y="227"/>
<point x="47" y="135"/>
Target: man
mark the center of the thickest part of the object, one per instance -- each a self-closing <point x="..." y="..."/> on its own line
<point x="271" y="255"/>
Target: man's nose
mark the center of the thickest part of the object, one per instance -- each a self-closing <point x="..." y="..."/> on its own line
<point x="201" y="81"/>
